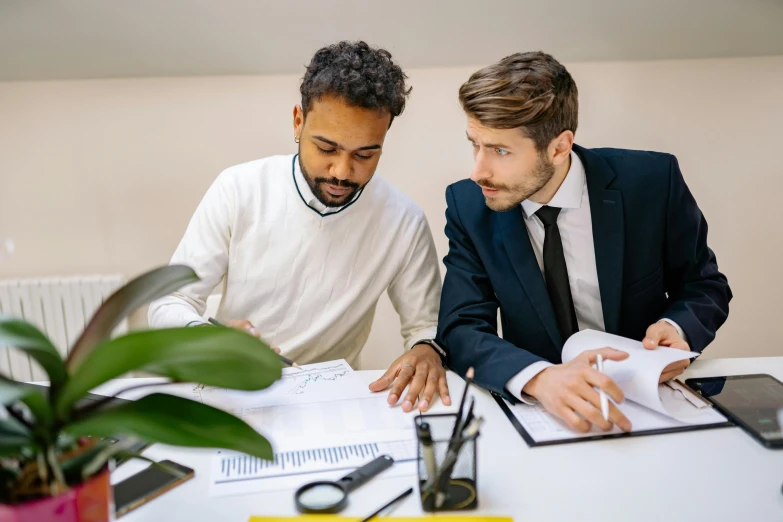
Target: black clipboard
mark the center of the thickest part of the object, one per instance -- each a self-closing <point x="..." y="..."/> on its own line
<point x="533" y="444"/>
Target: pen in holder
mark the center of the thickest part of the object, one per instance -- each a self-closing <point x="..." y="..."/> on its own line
<point x="447" y="466"/>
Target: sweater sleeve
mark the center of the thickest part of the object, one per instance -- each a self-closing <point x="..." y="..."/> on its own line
<point x="205" y="248"/>
<point x="415" y="291"/>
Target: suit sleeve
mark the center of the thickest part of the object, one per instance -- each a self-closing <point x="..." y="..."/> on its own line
<point x="699" y="293"/>
<point x="467" y="324"/>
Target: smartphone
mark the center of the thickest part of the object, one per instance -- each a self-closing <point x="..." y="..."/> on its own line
<point x="146" y="485"/>
<point x="754" y="402"/>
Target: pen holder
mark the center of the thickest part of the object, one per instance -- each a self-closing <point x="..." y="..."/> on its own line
<point x="460" y="491"/>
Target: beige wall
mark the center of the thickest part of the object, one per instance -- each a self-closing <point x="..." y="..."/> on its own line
<point x="102" y="176"/>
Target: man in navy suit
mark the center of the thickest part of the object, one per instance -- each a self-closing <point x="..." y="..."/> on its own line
<point x="563" y="238"/>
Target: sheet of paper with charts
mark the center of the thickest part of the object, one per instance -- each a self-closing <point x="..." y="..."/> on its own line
<point x="309" y="380"/>
<point x="322" y="422"/>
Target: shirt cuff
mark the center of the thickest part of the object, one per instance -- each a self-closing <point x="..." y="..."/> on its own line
<point x="676" y="327"/>
<point x="516" y="383"/>
<point x="435" y="346"/>
<point x="421" y="336"/>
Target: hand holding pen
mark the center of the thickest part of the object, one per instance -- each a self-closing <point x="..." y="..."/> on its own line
<point x="599" y="365"/>
<point x="568" y="391"/>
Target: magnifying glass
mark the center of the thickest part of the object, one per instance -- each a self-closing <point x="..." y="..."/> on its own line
<point x="328" y="496"/>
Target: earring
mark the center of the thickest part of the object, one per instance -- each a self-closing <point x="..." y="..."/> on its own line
<point x="296" y="139"/>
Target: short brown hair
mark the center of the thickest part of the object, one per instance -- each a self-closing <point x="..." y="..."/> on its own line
<point x="531" y="91"/>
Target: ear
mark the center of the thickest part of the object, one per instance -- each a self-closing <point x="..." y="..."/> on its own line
<point x="560" y="147"/>
<point x="298" y="121"/>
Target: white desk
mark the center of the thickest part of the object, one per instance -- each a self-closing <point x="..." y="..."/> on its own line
<point x="713" y="475"/>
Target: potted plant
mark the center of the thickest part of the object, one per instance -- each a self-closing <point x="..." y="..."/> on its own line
<point x="54" y="464"/>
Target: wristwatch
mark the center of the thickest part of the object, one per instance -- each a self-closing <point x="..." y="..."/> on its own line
<point x="435" y="346"/>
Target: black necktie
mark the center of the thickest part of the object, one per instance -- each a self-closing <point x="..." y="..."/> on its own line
<point x="556" y="273"/>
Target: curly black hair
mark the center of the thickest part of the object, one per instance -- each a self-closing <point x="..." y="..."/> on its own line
<point x="363" y="76"/>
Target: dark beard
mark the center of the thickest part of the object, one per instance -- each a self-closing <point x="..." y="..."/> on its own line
<point x="317" y="187"/>
<point x="516" y="194"/>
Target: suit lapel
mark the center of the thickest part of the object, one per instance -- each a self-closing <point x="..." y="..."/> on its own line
<point x="517" y="243"/>
<point x="606" y="209"/>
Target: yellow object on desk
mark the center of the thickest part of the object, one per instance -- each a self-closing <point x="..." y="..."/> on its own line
<point x="337" y="518"/>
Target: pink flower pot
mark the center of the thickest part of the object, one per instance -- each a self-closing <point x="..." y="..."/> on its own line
<point x="87" y="502"/>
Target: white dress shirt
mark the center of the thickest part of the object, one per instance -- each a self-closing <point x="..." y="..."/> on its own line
<point x="576" y="232"/>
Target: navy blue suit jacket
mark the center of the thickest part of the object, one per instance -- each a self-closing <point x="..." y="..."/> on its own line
<point x="651" y="253"/>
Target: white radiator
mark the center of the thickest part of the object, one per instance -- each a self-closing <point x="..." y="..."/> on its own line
<point x="60" y="307"/>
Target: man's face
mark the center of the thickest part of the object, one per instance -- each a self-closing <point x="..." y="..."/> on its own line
<point x="507" y="166"/>
<point x="339" y="148"/>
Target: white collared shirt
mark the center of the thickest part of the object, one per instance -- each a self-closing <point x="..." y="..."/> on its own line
<point x="307" y="194"/>
<point x="576" y="231"/>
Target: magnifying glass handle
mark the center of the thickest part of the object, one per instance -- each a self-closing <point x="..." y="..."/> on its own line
<point x="365" y="473"/>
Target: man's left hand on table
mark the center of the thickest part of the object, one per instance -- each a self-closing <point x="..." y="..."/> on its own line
<point x="422" y="367"/>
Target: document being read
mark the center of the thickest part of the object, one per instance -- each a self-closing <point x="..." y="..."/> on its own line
<point x="311" y="380"/>
<point x="649" y="406"/>
<point x="322" y="420"/>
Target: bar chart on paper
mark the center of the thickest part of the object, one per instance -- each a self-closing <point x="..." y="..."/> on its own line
<point x="322" y="419"/>
<point x="230" y="469"/>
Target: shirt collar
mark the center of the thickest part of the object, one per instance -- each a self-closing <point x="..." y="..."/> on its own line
<point x="309" y="197"/>
<point x="569" y="195"/>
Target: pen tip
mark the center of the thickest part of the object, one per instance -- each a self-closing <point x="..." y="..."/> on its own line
<point x="470" y="373"/>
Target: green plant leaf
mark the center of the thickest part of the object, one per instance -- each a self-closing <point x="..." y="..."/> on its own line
<point x="11" y="391"/>
<point x="86" y="462"/>
<point x="125" y="456"/>
<point x="213" y="356"/>
<point x="33" y="397"/>
<point x="121" y="455"/>
<point x="176" y="421"/>
<point x="145" y="288"/>
<point x="13" y="437"/>
<point x="72" y="467"/>
<point x="26" y="337"/>
<point x="41" y="408"/>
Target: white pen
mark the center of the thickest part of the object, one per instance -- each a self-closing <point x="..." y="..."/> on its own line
<point x="599" y="365"/>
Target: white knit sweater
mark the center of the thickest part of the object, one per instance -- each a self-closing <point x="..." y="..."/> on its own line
<point x="308" y="282"/>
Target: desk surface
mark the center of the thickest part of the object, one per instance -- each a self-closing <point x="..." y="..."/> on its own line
<point x="720" y="474"/>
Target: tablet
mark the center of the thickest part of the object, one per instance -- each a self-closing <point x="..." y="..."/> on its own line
<point x="754" y="402"/>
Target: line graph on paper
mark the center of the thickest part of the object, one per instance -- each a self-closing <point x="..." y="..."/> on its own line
<point x="202" y="393"/>
<point x="310" y="382"/>
<point x="297" y="382"/>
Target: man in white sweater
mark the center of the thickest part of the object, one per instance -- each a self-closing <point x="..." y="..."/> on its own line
<point x="304" y="245"/>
